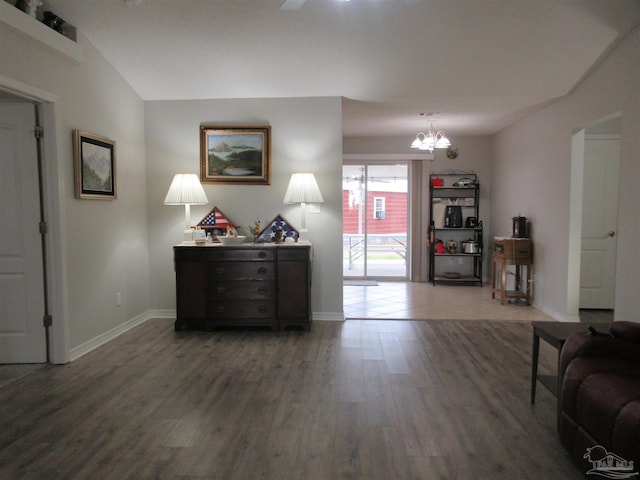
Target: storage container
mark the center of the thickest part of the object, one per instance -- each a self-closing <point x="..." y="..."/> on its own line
<point x="512" y="247"/>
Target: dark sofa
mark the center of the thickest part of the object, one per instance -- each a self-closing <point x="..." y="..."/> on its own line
<point x="599" y="420"/>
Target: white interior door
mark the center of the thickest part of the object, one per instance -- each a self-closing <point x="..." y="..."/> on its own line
<point x="599" y="222"/>
<point x="22" y="334"/>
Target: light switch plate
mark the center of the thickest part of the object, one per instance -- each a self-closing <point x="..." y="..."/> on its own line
<point x="314" y="208"/>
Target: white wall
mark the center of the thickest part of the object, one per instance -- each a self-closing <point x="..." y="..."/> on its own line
<point x="306" y="136"/>
<point x="101" y="246"/>
<point x="532" y="174"/>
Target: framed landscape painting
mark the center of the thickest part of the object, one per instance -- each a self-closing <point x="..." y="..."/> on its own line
<point x="94" y="161"/>
<point x="235" y="155"/>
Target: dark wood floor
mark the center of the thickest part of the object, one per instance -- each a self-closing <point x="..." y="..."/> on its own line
<point x="596" y="315"/>
<point x="355" y="400"/>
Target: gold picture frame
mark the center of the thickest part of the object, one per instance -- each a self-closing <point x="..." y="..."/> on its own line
<point x="94" y="162"/>
<point x="235" y="155"/>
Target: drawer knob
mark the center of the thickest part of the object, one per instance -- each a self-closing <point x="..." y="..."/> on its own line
<point x="262" y="290"/>
<point x="220" y="270"/>
<point x="220" y="308"/>
<point x="220" y="289"/>
<point x="262" y="309"/>
<point x="262" y="254"/>
<point x="262" y="270"/>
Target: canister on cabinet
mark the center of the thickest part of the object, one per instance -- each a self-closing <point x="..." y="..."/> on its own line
<point x="520" y="227"/>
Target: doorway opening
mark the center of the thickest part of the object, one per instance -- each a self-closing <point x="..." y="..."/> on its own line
<point x="375" y="201"/>
<point x="594" y="218"/>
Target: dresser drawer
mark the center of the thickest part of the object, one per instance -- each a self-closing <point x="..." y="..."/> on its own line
<point x="238" y="309"/>
<point x="213" y="253"/>
<point x="239" y="254"/>
<point x="250" y="290"/>
<point x="293" y="253"/>
<point x="225" y="271"/>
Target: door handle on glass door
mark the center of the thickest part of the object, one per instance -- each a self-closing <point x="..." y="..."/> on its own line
<point x="611" y="233"/>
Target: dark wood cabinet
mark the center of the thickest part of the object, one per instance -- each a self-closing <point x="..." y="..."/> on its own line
<point x="294" y="287"/>
<point x="243" y="285"/>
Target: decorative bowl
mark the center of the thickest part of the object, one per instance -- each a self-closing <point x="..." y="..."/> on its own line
<point x="226" y="240"/>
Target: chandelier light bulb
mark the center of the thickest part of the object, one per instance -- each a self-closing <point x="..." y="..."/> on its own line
<point x="430" y="140"/>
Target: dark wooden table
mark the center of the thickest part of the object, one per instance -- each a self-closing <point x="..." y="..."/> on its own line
<point x="555" y="334"/>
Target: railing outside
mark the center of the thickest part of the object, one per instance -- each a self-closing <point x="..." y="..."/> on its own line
<point x="386" y="255"/>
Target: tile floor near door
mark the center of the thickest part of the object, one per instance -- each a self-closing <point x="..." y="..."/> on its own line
<point x="421" y="300"/>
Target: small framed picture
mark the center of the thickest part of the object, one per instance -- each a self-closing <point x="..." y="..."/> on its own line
<point x="94" y="161"/>
<point x="235" y="155"/>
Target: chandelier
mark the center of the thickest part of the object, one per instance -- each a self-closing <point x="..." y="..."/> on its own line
<point x="430" y="140"/>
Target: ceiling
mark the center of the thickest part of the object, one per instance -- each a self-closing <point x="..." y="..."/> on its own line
<point x="478" y="64"/>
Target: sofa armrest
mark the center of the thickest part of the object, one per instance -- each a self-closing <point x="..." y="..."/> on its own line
<point x="626" y="330"/>
<point x="585" y="354"/>
<point x="623" y="341"/>
<point x="583" y="344"/>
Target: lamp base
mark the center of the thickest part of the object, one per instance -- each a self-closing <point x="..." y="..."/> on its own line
<point x="303" y="237"/>
<point x="188" y="236"/>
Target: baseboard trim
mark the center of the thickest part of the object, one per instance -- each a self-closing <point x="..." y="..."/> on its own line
<point x="109" y="335"/>
<point x="162" y="313"/>
<point x="328" y="316"/>
<point x="555" y="315"/>
<point x="115" y="332"/>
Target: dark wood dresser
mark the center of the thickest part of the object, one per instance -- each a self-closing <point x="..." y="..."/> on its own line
<point x="243" y="285"/>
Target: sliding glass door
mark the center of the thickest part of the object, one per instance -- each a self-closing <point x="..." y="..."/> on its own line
<point x="375" y="217"/>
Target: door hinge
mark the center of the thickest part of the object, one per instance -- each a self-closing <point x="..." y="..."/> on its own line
<point x="47" y="320"/>
<point x="38" y="132"/>
<point x="44" y="228"/>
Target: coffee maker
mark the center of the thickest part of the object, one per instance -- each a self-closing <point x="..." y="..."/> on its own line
<point x="520" y="227"/>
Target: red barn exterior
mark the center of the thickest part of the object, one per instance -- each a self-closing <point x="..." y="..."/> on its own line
<point x="393" y="220"/>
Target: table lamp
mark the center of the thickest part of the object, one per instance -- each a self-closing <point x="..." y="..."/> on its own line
<point x="303" y="189"/>
<point x="186" y="190"/>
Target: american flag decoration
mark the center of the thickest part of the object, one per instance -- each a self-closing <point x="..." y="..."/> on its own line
<point x="215" y="223"/>
<point x="268" y="234"/>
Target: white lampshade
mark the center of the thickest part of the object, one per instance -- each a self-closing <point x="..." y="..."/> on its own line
<point x="428" y="143"/>
<point x="442" y="141"/>
<point x="417" y="142"/>
<point x="303" y="188"/>
<point x="186" y="190"/>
